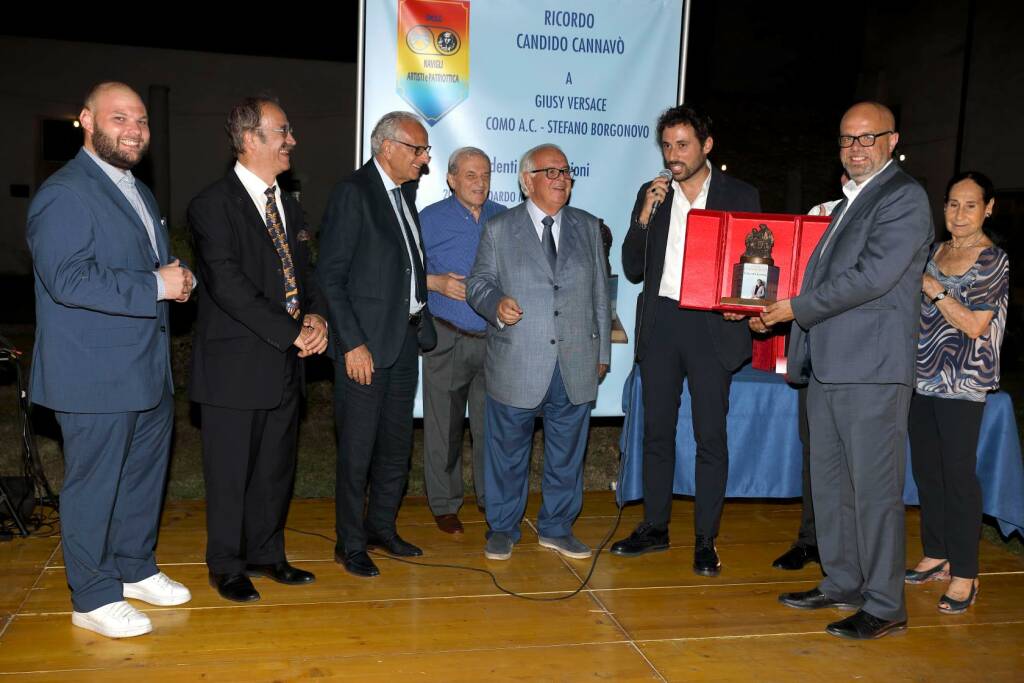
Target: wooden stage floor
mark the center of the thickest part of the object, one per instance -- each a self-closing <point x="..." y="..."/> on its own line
<point x="647" y="618"/>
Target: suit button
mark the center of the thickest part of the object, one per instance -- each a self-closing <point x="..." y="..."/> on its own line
<point x="552" y="341"/>
<point x="556" y="314"/>
<point x="163" y="329"/>
<point x="406" y="271"/>
<point x="556" y="288"/>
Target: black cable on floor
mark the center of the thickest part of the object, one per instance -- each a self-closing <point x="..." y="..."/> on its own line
<point x="494" y="579"/>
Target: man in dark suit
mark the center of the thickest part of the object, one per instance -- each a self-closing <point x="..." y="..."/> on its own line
<point x="673" y="344"/>
<point x="103" y="277"/>
<point x="854" y="343"/>
<point x="259" y="314"/>
<point x="371" y="272"/>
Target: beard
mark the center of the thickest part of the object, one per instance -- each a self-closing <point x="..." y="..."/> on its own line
<point x="107" y="149"/>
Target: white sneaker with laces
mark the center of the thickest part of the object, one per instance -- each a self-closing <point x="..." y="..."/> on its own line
<point x="158" y="589"/>
<point x="114" y="620"/>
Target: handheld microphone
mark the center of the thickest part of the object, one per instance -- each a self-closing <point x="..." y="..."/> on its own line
<point x="663" y="173"/>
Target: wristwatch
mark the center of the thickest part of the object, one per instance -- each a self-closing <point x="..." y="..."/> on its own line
<point x="940" y="296"/>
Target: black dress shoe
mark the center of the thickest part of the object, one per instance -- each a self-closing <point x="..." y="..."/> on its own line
<point x="796" y="557"/>
<point x="646" y="538"/>
<point x="282" y="572"/>
<point x="357" y="562"/>
<point x="394" y="545"/>
<point x="864" y="626"/>
<point x="813" y="599"/>
<point x="705" y="557"/>
<point x="234" y="587"/>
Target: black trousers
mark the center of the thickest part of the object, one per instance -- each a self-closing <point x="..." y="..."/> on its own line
<point x="679" y="348"/>
<point x="249" y="469"/>
<point x="374" y="425"/>
<point x="806" y="536"/>
<point x="943" y="454"/>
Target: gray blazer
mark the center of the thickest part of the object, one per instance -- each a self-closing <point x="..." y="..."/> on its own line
<point x="566" y="315"/>
<point x="859" y="310"/>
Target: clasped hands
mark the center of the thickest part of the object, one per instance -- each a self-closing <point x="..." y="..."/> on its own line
<point x="313" y="337"/>
<point x="178" y="281"/>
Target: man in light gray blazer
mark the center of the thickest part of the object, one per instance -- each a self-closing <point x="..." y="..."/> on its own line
<point x="539" y="280"/>
<point x="854" y="342"/>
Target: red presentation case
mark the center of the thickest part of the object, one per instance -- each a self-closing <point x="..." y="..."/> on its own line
<point x="715" y="240"/>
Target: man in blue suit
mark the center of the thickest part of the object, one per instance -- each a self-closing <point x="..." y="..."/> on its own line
<point x="103" y="277"/>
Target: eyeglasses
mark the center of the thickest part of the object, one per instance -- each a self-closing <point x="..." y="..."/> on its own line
<point x="865" y="140"/>
<point x="552" y="173"/>
<point x="418" y="150"/>
<point x="285" y="130"/>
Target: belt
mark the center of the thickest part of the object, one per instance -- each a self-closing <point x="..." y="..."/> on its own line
<point x="458" y="330"/>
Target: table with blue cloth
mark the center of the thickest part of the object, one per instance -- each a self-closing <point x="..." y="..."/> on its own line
<point x="765" y="450"/>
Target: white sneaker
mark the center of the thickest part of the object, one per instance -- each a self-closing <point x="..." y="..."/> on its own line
<point x="158" y="589"/>
<point x="114" y="620"/>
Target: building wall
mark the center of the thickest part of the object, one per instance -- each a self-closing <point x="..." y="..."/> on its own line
<point x="49" y="79"/>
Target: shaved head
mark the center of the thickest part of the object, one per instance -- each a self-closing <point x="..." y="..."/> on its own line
<point x="877" y="110"/>
<point x="874" y="122"/>
<point x="115" y="124"/>
<point x="97" y="91"/>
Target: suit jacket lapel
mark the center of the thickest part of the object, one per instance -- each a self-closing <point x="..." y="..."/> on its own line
<point x="526" y="234"/>
<point x="248" y="209"/>
<point x="115" y="195"/>
<point x="568" y="240"/>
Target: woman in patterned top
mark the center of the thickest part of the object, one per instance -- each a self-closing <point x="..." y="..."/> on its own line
<point x="963" y="314"/>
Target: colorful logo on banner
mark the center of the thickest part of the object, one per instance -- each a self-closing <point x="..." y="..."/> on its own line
<point x="433" y="55"/>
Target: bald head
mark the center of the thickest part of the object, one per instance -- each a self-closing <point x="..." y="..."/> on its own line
<point x="874" y="122"/>
<point x="115" y="124"/>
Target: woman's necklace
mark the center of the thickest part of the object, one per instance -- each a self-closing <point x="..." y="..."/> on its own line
<point x="977" y="241"/>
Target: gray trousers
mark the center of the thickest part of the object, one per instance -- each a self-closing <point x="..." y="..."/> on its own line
<point x="453" y="373"/>
<point x="858" y="463"/>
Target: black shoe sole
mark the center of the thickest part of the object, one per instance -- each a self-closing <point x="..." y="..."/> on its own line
<point x="845" y="606"/>
<point x="895" y="628"/>
<point x="638" y="553"/>
<point x="253" y="598"/>
<point x="263" y="575"/>
<point x="701" y="571"/>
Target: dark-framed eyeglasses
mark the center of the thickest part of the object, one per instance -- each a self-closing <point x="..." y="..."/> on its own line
<point x="865" y="140"/>
<point x="552" y="173"/>
<point x="284" y="130"/>
<point x="416" y="149"/>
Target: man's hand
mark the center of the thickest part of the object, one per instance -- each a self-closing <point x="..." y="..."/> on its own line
<point x="359" y="365"/>
<point x="655" y="193"/>
<point x="729" y="315"/>
<point x="450" y="285"/>
<point x="757" y="325"/>
<point x="177" y="281"/>
<point x="509" y="311"/>
<point x="778" y="312"/>
<point x="314" y="335"/>
<point x="602" y="370"/>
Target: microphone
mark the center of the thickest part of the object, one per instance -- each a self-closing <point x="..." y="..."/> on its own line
<point x="663" y="173"/>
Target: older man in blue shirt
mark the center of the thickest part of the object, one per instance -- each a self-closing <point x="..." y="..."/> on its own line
<point x="453" y="372"/>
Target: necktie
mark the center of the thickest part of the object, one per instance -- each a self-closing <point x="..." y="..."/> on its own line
<point x="276" y="230"/>
<point x="414" y="252"/>
<point x="549" y="242"/>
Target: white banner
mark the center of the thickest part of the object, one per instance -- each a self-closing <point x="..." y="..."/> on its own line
<point x="591" y="76"/>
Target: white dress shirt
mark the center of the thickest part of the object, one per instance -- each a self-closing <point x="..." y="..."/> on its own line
<point x="536" y="215"/>
<point x="257" y="189"/>
<point x="389" y="184"/>
<point x="672" y="272"/>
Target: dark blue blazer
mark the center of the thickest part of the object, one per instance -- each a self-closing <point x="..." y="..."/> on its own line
<point x="102" y="342"/>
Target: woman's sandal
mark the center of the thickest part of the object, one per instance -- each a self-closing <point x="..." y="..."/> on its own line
<point x="948" y="605"/>
<point x="939" y="572"/>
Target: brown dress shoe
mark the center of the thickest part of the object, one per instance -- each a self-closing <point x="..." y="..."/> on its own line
<point x="449" y="524"/>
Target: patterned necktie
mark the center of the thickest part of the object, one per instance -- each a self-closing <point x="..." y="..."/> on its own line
<point x="276" y="230"/>
<point x="549" y="242"/>
<point x="414" y="252"/>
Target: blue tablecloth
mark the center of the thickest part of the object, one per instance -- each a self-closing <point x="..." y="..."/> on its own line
<point x="765" y="451"/>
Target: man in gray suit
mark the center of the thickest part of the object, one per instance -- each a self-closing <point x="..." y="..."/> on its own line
<point x="854" y="342"/>
<point x="539" y="280"/>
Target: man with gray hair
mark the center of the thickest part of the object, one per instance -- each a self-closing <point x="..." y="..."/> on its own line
<point x="372" y="274"/>
<point x="539" y="279"/>
<point x="453" y="373"/>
